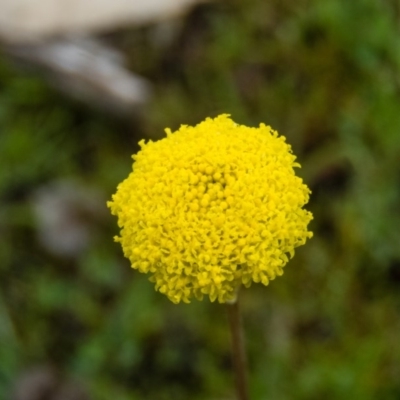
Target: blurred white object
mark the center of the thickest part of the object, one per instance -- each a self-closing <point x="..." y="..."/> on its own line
<point x="65" y="217"/>
<point x="53" y="36"/>
<point x="87" y="70"/>
<point x="32" y="20"/>
<point x="44" y="382"/>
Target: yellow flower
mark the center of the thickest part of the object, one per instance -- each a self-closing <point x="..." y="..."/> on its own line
<point x="211" y="207"/>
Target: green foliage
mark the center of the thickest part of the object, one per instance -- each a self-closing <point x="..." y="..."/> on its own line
<point x="323" y="73"/>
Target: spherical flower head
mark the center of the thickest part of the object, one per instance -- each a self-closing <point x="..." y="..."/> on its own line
<point x="211" y="207"/>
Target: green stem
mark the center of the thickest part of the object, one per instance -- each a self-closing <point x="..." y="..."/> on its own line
<point x="238" y="350"/>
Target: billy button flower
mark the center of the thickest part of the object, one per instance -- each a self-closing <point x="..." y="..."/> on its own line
<point x="212" y="207"/>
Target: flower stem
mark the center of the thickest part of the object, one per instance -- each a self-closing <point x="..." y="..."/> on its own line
<point x="238" y="350"/>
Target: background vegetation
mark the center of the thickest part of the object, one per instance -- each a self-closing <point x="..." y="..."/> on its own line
<point x="77" y="321"/>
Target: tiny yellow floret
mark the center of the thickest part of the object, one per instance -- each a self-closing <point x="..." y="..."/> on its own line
<point x="211" y="207"/>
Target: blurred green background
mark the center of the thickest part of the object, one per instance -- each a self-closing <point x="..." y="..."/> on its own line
<point x="76" y="320"/>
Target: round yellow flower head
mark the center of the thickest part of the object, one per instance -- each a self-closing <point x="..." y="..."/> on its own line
<point x="211" y="207"/>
